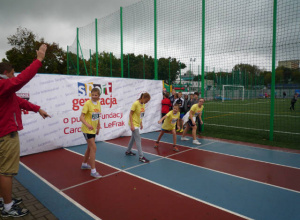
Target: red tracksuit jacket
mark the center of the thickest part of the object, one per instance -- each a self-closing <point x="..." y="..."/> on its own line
<point x="11" y="104"/>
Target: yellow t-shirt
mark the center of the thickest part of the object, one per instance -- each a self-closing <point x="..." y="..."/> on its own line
<point x="195" y="108"/>
<point x="91" y="116"/>
<point x="138" y="113"/>
<point x="170" y="121"/>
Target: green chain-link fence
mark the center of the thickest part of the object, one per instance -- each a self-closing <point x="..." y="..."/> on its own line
<point x="242" y="56"/>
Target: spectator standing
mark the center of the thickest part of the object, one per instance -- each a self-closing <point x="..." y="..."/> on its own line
<point x="165" y="104"/>
<point x="293" y="101"/>
<point x="180" y="102"/>
<point x="10" y="124"/>
<point x="172" y="97"/>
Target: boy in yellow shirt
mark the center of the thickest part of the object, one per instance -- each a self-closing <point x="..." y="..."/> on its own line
<point x="90" y="118"/>
<point x="169" y="125"/>
<point x="196" y="111"/>
<point x="136" y="116"/>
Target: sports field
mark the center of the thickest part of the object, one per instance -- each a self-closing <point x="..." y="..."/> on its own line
<point x="252" y="117"/>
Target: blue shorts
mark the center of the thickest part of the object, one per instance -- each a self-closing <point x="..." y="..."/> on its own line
<point x="181" y="115"/>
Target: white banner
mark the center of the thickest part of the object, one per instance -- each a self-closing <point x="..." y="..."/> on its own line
<point x="63" y="98"/>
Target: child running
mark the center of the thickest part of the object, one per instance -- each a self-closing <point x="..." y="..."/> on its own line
<point x="90" y="118"/>
<point x="196" y="111"/>
<point x="169" y="125"/>
<point x="136" y="116"/>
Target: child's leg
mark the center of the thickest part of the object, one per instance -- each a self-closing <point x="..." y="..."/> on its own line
<point x="138" y="142"/>
<point x="159" y="136"/>
<point x="181" y="123"/>
<point x="174" y="136"/>
<point x="186" y="129"/>
<point x="86" y="155"/>
<point x="92" y="147"/>
<point x="130" y="144"/>
<point x="194" y="131"/>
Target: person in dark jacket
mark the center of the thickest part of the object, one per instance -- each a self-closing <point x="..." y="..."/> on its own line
<point x="10" y="124"/>
<point x="293" y="101"/>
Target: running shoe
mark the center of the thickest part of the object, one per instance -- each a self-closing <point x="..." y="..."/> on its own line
<point x="184" y="139"/>
<point x="96" y="175"/>
<point x="175" y="149"/>
<point x="16" y="201"/>
<point x="178" y="130"/>
<point x="144" y="160"/>
<point x="156" y="145"/>
<point x="181" y="131"/>
<point x="85" y="167"/>
<point x="15" y="211"/>
<point x="196" y="142"/>
<point x="130" y="153"/>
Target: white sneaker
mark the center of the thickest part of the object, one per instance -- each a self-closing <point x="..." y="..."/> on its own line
<point x="96" y="175"/>
<point x="196" y="142"/>
<point x="184" y="139"/>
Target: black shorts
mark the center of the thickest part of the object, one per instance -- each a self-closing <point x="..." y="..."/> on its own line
<point x="89" y="136"/>
<point x="190" y="123"/>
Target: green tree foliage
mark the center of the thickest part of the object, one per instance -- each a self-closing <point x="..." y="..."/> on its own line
<point x="295" y="76"/>
<point x="24" y="45"/>
<point x="138" y="67"/>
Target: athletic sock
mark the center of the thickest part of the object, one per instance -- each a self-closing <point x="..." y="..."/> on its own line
<point x="8" y="206"/>
<point x="93" y="170"/>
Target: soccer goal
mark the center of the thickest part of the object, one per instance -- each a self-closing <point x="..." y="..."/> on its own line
<point x="230" y="92"/>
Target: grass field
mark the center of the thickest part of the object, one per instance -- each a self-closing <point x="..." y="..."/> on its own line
<point x="249" y="121"/>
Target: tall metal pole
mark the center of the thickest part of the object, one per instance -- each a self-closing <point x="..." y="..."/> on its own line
<point x="96" y="33"/>
<point x="155" y="43"/>
<point x="68" y="60"/>
<point x="203" y="54"/>
<point x="121" y="32"/>
<point x="128" y="68"/>
<point x="273" y="70"/>
<point x="144" y="66"/>
<point x="110" y="64"/>
<point x="169" y="74"/>
<point x="77" y="38"/>
<point x="203" y="49"/>
<point x="90" y="62"/>
<point x="180" y="73"/>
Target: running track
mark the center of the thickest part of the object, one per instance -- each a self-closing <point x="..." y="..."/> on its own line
<point x="216" y="180"/>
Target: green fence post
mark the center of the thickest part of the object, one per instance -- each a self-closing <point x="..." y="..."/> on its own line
<point x="128" y="68"/>
<point x="77" y="40"/>
<point x="90" y="62"/>
<point x="121" y="30"/>
<point x="68" y="60"/>
<point x="110" y="64"/>
<point x="144" y="66"/>
<point x="273" y="71"/>
<point x="203" y="54"/>
<point x="198" y="78"/>
<point x="83" y="60"/>
<point x="169" y="73"/>
<point x="96" y="33"/>
<point x="180" y="74"/>
<point x="155" y="43"/>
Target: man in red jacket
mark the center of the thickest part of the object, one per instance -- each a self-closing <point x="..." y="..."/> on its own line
<point x="10" y="124"/>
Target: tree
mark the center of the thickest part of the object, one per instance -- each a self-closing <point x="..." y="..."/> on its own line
<point x="25" y="44"/>
<point x="296" y="76"/>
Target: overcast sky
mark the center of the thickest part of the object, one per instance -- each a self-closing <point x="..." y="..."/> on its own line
<point x="54" y="20"/>
<point x="236" y="31"/>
